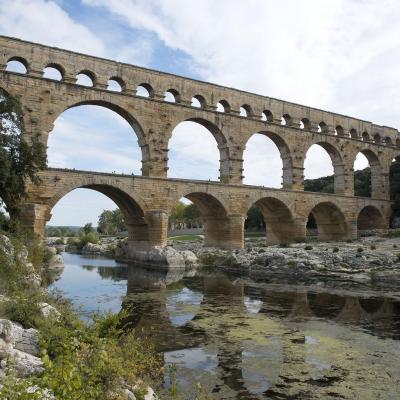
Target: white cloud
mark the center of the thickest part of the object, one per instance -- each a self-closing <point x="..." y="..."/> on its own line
<point x="333" y="54"/>
<point x="46" y="22"/>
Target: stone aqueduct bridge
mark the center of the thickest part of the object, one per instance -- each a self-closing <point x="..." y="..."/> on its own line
<point x="147" y="200"/>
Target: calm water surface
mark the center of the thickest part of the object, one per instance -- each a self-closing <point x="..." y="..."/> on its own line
<point x="242" y="340"/>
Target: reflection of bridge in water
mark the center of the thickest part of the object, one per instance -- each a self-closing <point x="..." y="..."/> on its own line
<point x="150" y="312"/>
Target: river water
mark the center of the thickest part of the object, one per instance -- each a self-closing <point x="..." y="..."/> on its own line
<point x="237" y="339"/>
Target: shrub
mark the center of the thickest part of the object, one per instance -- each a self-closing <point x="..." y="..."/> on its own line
<point x="360" y="250"/>
<point x="308" y="248"/>
<point x="335" y="249"/>
<point x="85" y="238"/>
<point x="87" y="361"/>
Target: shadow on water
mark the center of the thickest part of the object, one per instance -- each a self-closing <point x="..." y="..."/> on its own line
<point x="232" y="336"/>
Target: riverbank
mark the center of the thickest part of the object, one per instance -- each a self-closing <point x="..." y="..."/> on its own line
<point x="47" y="351"/>
<point x="370" y="261"/>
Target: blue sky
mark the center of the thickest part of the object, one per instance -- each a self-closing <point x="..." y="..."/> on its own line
<point x="339" y="55"/>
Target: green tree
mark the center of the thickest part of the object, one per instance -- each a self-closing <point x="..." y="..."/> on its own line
<point x="191" y="216"/>
<point x="111" y="222"/>
<point x="88" y="228"/>
<point x="20" y="160"/>
<point x="254" y="220"/>
<point x="176" y="219"/>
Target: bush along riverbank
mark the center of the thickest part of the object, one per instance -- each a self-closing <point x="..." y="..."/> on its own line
<point x="48" y="352"/>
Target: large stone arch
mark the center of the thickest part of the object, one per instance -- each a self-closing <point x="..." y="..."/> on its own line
<point x="133" y="210"/>
<point x="215" y="217"/>
<point x="138" y="127"/>
<point x="279" y="220"/>
<point x="331" y="222"/>
<point x="337" y="163"/>
<point x="285" y="154"/>
<point x="220" y="139"/>
<point x="370" y="218"/>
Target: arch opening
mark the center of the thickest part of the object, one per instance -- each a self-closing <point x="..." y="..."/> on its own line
<point x="339" y="131"/>
<point x="18" y="65"/>
<point x="377" y="138"/>
<point x="144" y="90"/>
<point x="67" y="210"/>
<point x="305" y="124"/>
<point x="245" y="111"/>
<point x="96" y="137"/>
<point x="115" y="85"/>
<point x="267" y="116"/>
<point x="388" y="141"/>
<point x="199" y="101"/>
<point x="286" y="120"/>
<point x="272" y="217"/>
<point x="172" y="96"/>
<point x="365" y="136"/>
<point x="266" y="161"/>
<point x="323" y="169"/>
<point x="85" y="78"/>
<point x="53" y="72"/>
<point x="223" y="106"/>
<point x="201" y="213"/>
<point x="353" y="133"/>
<point x="323" y="127"/>
<point x="367" y="174"/>
<point x="370" y="218"/>
<point x="197" y="150"/>
<point x="330" y="222"/>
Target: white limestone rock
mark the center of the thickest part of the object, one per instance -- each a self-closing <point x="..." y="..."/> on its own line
<point x="21" y="346"/>
<point x="49" y="312"/>
<point x="190" y="258"/>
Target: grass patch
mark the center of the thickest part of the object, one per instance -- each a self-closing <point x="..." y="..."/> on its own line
<point x="185" y="237"/>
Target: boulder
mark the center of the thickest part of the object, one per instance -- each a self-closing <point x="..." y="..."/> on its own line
<point x="190" y="258"/>
<point x="160" y="257"/>
<point x="21" y="346"/>
<point x="101" y="249"/>
<point x="25" y="340"/>
<point x="48" y="311"/>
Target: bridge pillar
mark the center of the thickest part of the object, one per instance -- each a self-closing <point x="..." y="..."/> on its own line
<point x="225" y="232"/>
<point x="231" y="164"/>
<point x="33" y="217"/>
<point x="158" y="227"/>
<point x="150" y="231"/>
<point x="380" y="185"/>
<point x="282" y="231"/>
<point x="344" y="179"/>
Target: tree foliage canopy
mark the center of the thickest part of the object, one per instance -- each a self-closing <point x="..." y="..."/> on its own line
<point x="19" y="159"/>
<point x="111" y="222"/>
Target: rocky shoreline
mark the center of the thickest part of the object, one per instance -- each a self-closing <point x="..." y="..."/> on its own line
<point x="371" y="261"/>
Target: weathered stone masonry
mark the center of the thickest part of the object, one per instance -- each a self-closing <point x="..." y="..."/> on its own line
<point x="147" y="200"/>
